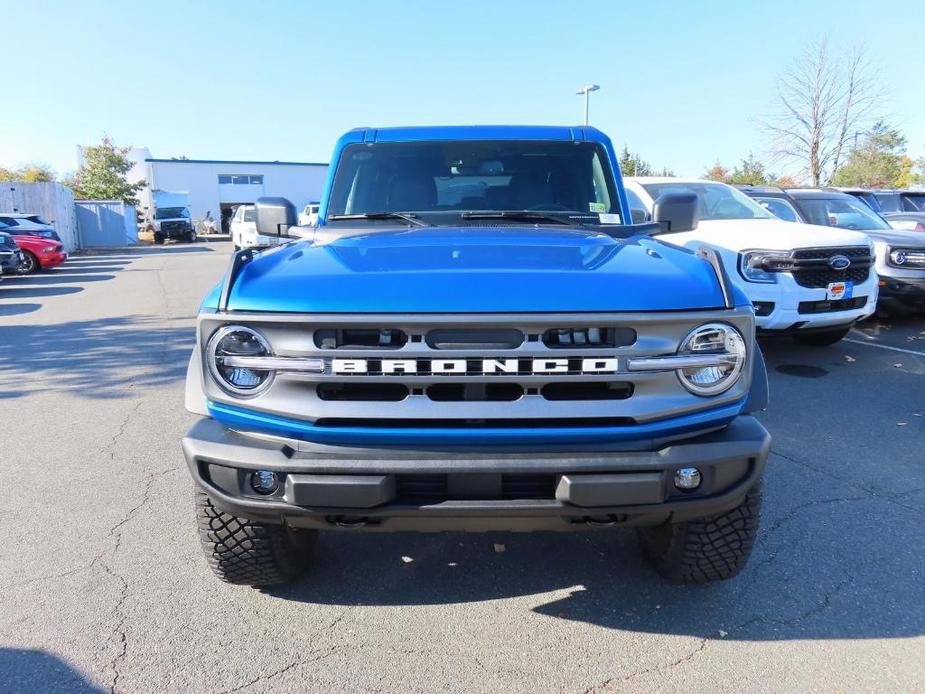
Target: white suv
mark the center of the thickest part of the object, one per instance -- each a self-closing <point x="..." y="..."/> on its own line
<point x="809" y="281"/>
<point x="244" y="230"/>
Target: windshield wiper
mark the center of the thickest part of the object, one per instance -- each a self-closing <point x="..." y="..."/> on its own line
<point x="523" y="215"/>
<point x="406" y="216"/>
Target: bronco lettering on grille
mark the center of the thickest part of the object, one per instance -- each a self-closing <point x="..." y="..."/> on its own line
<point x="475" y="367"/>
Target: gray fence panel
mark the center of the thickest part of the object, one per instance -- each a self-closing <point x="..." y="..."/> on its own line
<point x="103" y="223"/>
<point x="52" y="201"/>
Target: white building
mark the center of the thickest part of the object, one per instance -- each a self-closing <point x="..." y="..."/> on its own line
<point x="217" y="187"/>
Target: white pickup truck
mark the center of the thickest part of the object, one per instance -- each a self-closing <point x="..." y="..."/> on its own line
<point x="807" y="281"/>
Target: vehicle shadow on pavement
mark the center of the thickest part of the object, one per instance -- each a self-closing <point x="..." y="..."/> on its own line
<point x="28" y="291"/>
<point x="132" y="252"/>
<point x="101" y="358"/>
<point x="25" y="670"/>
<point x="796" y="586"/>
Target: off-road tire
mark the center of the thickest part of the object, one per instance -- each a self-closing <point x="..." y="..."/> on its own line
<point x="707" y="549"/>
<point x="159" y="239"/>
<point x="822" y="338"/>
<point x="247" y="553"/>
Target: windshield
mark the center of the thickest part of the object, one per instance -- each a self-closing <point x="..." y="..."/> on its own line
<point x="716" y="200"/>
<point x="779" y="207"/>
<point x="843" y="212"/>
<point x="35" y="219"/>
<point x="447" y="179"/>
<point x="170" y="213"/>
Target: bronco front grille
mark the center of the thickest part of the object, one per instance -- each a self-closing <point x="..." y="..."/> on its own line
<point x="813" y="270"/>
<point x="478" y="372"/>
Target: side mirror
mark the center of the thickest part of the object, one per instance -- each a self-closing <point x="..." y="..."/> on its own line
<point x="275" y="216"/>
<point x="676" y="211"/>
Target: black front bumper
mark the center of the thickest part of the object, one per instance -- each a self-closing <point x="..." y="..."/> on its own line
<point x="428" y="489"/>
<point x="902" y="295"/>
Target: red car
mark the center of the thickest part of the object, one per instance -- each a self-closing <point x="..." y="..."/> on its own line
<point x="39" y="253"/>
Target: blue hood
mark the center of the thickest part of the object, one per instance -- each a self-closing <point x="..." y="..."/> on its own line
<point x="476" y="270"/>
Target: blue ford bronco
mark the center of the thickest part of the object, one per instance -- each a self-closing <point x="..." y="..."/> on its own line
<point x="476" y="337"/>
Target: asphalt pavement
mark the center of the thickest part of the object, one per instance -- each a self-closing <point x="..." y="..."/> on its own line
<point x="102" y="586"/>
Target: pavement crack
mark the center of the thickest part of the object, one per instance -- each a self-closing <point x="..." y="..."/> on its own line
<point x="684" y="659"/>
<point x="891" y="498"/>
<point x="319" y="653"/>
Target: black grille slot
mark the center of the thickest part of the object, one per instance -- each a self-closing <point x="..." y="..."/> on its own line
<point x="360" y="338"/>
<point x="832" y="306"/>
<point x="464" y="338"/>
<point x="433" y="489"/>
<point x="528" y="486"/>
<point x="363" y="392"/>
<point x="420" y="489"/>
<point x="569" y="338"/>
<point x="475" y="392"/>
<point x="763" y="308"/>
<point x="818" y="274"/>
<point x="591" y="390"/>
<point x="376" y="423"/>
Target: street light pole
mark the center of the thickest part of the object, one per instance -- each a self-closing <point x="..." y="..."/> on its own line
<point x="586" y="90"/>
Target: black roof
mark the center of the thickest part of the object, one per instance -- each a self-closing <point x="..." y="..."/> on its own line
<point x="816" y="193"/>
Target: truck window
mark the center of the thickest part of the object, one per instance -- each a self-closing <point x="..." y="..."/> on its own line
<point x="780" y="208"/>
<point x="716" y="200"/>
<point x="447" y="178"/>
<point x="249" y="215"/>
<point x="913" y="202"/>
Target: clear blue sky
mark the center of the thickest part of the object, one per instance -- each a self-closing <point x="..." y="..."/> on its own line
<point x="681" y="82"/>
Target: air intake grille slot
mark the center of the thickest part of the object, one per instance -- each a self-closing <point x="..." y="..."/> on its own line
<point x="434" y="489"/>
<point x="475" y="392"/>
<point x="465" y="338"/>
<point x="569" y="338"/>
<point x="363" y="392"/>
<point x="360" y="338"/>
<point x="591" y="390"/>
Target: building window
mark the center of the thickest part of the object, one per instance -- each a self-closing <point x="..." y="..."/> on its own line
<point x="241" y="179"/>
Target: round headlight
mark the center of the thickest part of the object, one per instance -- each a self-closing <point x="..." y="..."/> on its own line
<point x="228" y="352"/>
<point x="719" y="340"/>
<point x="898" y="257"/>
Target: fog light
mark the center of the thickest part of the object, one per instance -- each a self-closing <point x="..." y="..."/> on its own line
<point x="687" y="479"/>
<point x="264" y="481"/>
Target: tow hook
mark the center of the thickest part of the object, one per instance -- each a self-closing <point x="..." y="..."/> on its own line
<point x="349" y="521"/>
<point x="607" y="521"/>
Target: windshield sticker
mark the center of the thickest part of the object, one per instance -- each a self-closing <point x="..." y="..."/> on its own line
<point x="597" y="207"/>
<point x="609" y="218"/>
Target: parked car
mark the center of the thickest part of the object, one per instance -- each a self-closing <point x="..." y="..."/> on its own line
<point x="902" y="284"/>
<point x="476" y="340"/>
<point x="11" y="257"/>
<point x="31" y="224"/>
<point x="39" y="253"/>
<point x="902" y="209"/>
<point x="244" y="230"/>
<point x="308" y="217"/>
<point x="900" y="254"/>
<point x="807" y="282"/>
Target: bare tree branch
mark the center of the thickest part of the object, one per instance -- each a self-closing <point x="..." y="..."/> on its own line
<point x="822" y="102"/>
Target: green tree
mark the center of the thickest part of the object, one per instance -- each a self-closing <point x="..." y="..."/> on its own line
<point x="631" y="164"/>
<point x="30" y="173"/>
<point x="750" y="172"/>
<point x="877" y="161"/>
<point x="102" y="176"/>
<point x="717" y="172"/>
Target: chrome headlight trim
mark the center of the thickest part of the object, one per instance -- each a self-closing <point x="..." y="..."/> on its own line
<point x="734" y="355"/>
<point x="211" y="360"/>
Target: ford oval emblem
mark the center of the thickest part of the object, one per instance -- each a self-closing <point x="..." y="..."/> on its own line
<point x="839" y="262"/>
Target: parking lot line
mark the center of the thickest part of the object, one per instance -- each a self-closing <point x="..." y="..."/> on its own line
<point x="892" y="349"/>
